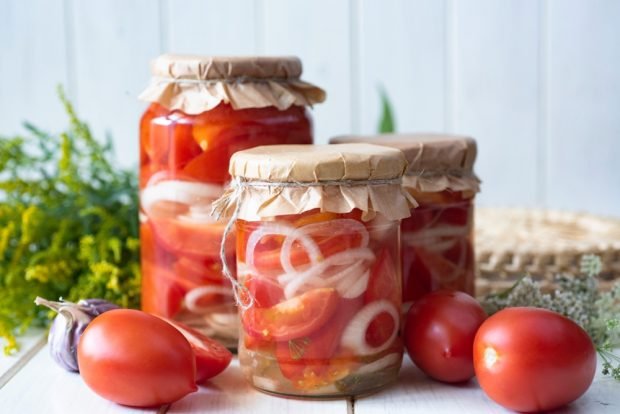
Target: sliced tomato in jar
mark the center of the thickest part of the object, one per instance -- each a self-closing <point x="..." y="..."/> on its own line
<point x="267" y="259"/>
<point x="384" y="280"/>
<point x="171" y="142"/>
<point x="211" y="357"/>
<point x="417" y="279"/>
<point x="161" y="294"/>
<point x="266" y="292"/>
<point x="310" y="356"/>
<point x="193" y="238"/>
<point x="200" y="271"/>
<point x="293" y="318"/>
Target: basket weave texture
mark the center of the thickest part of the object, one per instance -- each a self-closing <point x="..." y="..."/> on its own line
<point x="511" y="243"/>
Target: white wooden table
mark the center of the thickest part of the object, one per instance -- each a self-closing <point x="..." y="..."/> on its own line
<point x="30" y="382"/>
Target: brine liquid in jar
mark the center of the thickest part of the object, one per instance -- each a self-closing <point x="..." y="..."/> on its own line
<point x="437" y="245"/>
<point x="326" y="316"/>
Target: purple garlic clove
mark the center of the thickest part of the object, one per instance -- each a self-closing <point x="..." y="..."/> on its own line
<point x="68" y="326"/>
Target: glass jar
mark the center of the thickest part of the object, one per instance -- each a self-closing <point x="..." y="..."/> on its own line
<point x="321" y="264"/>
<point x="437" y="244"/>
<point x="187" y="137"/>
<point x="437" y="240"/>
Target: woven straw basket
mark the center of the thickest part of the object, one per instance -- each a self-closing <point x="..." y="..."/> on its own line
<point x="511" y="243"/>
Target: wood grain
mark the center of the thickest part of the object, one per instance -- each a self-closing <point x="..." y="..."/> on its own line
<point x="403" y="49"/>
<point x="230" y="393"/>
<point x="44" y="387"/>
<point x="290" y="28"/>
<point x="496" y="94"/>
<point x="33" y="61"/>
<point x="415" y="393"/>
<point x="29" y="344"/>
<point x="584" y="106"/>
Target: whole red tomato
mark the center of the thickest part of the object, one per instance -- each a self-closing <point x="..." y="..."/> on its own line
<point x="530" y="359"/>
<point x="439" y="334"/>
<point x="136" y="359"/>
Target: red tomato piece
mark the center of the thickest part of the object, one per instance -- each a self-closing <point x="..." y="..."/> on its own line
<point x="293" y="318"/>
<point x="191" y="238"/>
<point x="530" y="359"/>
<point x="439" y="334"/>
<point x="162" y="294"/>
<point x="211" y="357"/>
<point x="417" y="279"/>
<point x="200" y="271"/>
<point x="171" y="142"/>
<point x="266" y="292"/>
<point x="136" y="359"/>
<point x="311" y="355"/>
<point x="384" y="281"/>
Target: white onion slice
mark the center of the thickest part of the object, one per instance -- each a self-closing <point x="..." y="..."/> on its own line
<point x="422" y="235"/>
<point x="325" y="228"/>
<point x="184" y="192"/>
<point x="279" y="229"/>
<point x="344" y="257"/>
<point x="193" y="296"/>
<point x="354" y="335"/>
<point x="347" y="273"/>
<point x="381" y="363"/>
<point x="457" y="268"/>
<point x="292" y="282"/>
<point x="353" y="286"/>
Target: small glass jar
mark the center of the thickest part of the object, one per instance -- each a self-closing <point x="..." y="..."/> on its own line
<point x="437" y="244"/>
<point x="202" y="110"/>
<point x="318" y="254"/>
<point x="437" y="240"/>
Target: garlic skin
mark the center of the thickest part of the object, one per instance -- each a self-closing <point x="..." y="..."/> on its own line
<point x="68" y="326"/>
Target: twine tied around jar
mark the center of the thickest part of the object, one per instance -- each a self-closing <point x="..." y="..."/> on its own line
<point x="234" y="196"/>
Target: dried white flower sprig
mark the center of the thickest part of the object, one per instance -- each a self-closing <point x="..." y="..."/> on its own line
<point x="578" y="298"/>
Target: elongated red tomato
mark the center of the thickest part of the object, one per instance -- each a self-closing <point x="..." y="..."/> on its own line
<point x="136" y="359"/>
<point x="293" y="318"/>
<point x="211" y="357"/>
<point x="530" y="359"/>
<point x="439" y="334"/>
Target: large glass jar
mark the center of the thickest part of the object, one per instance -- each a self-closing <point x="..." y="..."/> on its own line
<point x="202" y="111"/>
<point x="437" y="240"/>
<point x="321" y="264"/>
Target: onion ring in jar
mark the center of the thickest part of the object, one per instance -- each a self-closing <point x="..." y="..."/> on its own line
<point x="329" y="228"/>
<point x="292" y="282"/>
<point x="354" y="335"/>
<point x="279" y="229"/>
<point x="192" y="297"/>
<point x="183" y="192"/>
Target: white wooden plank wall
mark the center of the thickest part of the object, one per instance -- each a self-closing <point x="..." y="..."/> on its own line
<point x="536" y="82"/>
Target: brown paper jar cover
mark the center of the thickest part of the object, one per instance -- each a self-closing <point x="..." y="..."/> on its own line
<point x="194" y="84"/>
<point x="437" y="162"/>
<point x="270" y="181"/>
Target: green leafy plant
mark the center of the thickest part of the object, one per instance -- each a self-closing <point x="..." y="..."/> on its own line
<point x="579" y="298"/>
<point x="387" y="123"/>
<point x="68" y="224"/>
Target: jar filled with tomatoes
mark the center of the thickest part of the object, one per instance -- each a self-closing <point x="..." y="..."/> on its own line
<point x="437" y="240"/>
<point x="202" y="110"/>
<point x="318" y="265"/>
